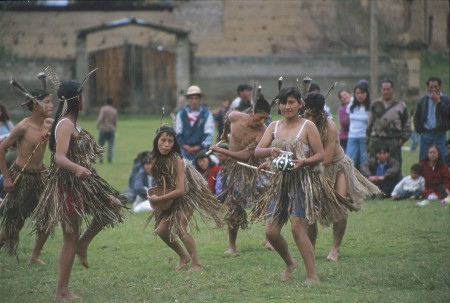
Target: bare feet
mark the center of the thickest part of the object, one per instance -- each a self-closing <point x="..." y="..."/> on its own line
<point x="333" y="255"/>
<point x="36" y="261"/>
<point x="288" y="271"/>
<point x="267" y="244"/>
<point x="183" y="261"/>
<point x="310" y="281"/>
<point x="195" y="268"/>
<point x="69" y="296"/>
<point x="82" y="256"/>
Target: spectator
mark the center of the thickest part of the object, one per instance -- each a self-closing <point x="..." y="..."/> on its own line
<point x="5" y="128"/>
<point x="219" y="116"/>
<point x="358" y="112"/>
<point x="130" y="192"/>
<point x="389" y="122"/>
<point x="206" y="167"/>
<point x="142" y="183"/>
<point x="343" y="119"/>
<point x="222" y="158"/>
<point x="435" y="173"/>
<point x="383" y="170"/>
<point x="447" y="159"/>
<point x="194" y="125"/>
<point x="107" y="124"/>
<point x="410" y="187"/>
<point x="431" y="118"/>
<point x="242" y="101"/>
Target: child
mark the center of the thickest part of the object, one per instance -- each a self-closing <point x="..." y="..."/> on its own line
<point x="143" y="181"/>
<point x="410" y="187"/>
<point x="208" y="169"/>
<point x="188" y="191"/>
<point x="74" y="192"/>
<point x="382" y="170"/>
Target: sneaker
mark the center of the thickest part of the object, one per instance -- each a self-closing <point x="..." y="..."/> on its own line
<point x="432" y="196"/>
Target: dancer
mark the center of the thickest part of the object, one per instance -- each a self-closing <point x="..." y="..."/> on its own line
<point x="25" y="180"/>
<point x="339" y="170"/>
<point x="297" y="194"/>
<point x="74" y="191"/>
<point x="185" y="191"/>
<point x="242" y="185"/>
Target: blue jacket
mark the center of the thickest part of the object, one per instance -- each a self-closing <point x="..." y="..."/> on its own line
<point x="195" y="134"/>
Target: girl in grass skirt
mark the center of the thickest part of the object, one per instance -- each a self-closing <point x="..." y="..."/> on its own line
<point x="74" y="191"/>
<point x="185" y="192"/>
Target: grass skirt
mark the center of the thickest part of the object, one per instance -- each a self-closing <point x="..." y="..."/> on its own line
<point x="196" y="197"/>
<point x="20" y="203"/>
<point x="66" y="195"/>
<point x="307" y="187"/>
<point x="359" y="187"/>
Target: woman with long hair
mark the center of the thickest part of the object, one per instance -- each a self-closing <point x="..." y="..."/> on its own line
<point x="74" y="192"/>
<point x="358" y="113"/>
<point x="436" y="174"/>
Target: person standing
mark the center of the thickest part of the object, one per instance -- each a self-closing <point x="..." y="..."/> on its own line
<point x="107" y="124"/>
<point x="389" y="123"/>
<point x="242" y="101"/>
<point x="343" y="119"/>
<point x="431" y="118"/>
<point x="194" y="125"/>
<point x="30" y="136"/>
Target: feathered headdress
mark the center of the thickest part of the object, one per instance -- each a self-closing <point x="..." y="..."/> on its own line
<point x="35" y="99"/>
<point x="258" y="100"/>
<point x="56" y="83"/>
<point x="275" y="100"/>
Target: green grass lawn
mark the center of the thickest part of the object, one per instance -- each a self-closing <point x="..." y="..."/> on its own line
<point x="392" y="252"/>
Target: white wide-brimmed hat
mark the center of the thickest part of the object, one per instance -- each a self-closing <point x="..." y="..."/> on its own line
<point x="193" y="90"/>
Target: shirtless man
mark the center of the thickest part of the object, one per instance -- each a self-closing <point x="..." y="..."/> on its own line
<point x="339" y="169"/>
<point x="240" y="184"/>
<point x="23" y="196"/>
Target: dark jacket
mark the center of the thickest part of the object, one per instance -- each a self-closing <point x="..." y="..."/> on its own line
<point x="141" y="183"/>
<point x="195" y="134"/>
<point x="442" y="112"/>
<point x="392" y="171"/>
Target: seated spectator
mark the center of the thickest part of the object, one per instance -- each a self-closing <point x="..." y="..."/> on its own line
<point x="435" y="173"/>
<point x="410" y="187"/>
<point x="383" y="170"/>
<point x="206" y="167"/>
<point x="130" y="192"/>
<point x="142" y="183"/>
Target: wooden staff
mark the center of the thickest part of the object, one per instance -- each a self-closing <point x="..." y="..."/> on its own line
<point x="217" y="144"/>
<point x="254" y="167"/>
<point x="22" y="170"/>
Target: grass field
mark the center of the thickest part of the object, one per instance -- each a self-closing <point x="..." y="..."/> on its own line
<point x="392" y="252"/>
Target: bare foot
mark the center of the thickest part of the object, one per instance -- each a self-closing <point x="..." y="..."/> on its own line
<point x="195" y="268"/>
<point x="333" y="255"/>
<point x="267" y="244"/>
<point x="288" y="271"/>
<point x="69" y="296"/>
<point x="230" y="251"/>
<point x="36" y="261"/>
<point x="82" y="256"/>
<point x="310" y="281"/>
<point x="183" y="261"/>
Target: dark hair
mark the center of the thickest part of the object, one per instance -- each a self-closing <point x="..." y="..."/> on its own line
<point x="4" y="116"/>
<point x="262" y="105"/>
<point x="434" y="79"/>
<point x="169" y="131"/>
<point x="314" y="87"/>
<point x="340" y="92"/>
<point x="40" y="94"/>
<point x="440" y="160"/>
<point x="365" y="88"/>
<point x="417" y="168"/>
<point x="448" y="142"/>
<point x="388" y="81"/>
<point x="147" y="158"/>
<point x="109" y="101"/>
<point x="382" y="148"/>
<point x="69" y="90"/>
<point x="202" y="156"/>
<point x="314" y="104"/>
<point x="242" y="87"/>
<point x="289" y="91"/>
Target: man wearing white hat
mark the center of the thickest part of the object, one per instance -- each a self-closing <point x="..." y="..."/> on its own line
<point x="194" y="125"/>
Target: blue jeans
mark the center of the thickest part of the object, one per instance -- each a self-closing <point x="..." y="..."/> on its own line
<point x="414" y="140"/>
<point x="107" y="137"/>
<point x="356" y="150"/>
<point x="428" y="138"/>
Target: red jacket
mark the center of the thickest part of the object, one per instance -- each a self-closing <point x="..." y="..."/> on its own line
<point x="212" y="174"/>
<point x="436" y="177"/>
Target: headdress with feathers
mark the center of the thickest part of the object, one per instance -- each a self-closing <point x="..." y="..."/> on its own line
<point x="258" y="100"/>
<point x="29" y="96"/>
<point x="56" y="83"/>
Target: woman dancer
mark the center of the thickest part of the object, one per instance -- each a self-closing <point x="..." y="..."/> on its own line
<point x="74" y="191"/>
<point x="298" y="194"/>
<point x="186" y="190"/>
<point x="339" y="170"/>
